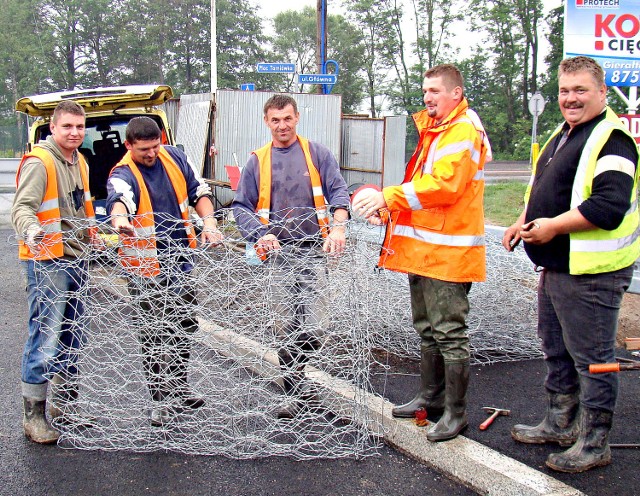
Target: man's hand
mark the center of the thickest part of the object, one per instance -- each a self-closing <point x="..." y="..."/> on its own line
<point x="211" y="236"/>
<point x="267" y="244"/>
<point x="511" y="237"/>
<point x="538" y="231"/>
<point x="368" y="204"/>
<point x="335" y="242"/>
<point x="121" y="224"/>
<point x="33" y="237"/>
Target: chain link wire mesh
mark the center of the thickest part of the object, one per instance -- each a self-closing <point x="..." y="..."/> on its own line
<point x="204" y="358"/>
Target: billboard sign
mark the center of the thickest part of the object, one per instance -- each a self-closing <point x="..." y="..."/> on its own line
<point x="632" y="123"/>
<point x="608" y="31"/>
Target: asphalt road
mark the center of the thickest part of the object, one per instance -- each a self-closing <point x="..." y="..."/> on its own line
<point x="29" y="469"/>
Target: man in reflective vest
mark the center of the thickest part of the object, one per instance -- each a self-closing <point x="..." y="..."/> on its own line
<point x="580" y="226"/>
<point x="51" y="214"/>
<point x="149" y="193"/>
<point x="435" y="233"/>
<point x="280" y="206"/>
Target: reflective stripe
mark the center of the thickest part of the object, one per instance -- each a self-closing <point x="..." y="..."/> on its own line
<point x="317" y="191"/>
<point x="140" y="252"/>
<point x="264" y="213"/>
<point x="615" y="163"/>
<point x="475" y="156"/>
<point x="578" y="192"/>
<point x="439" y="239"/>
<point x="49" y="205"/>
<point x="453" y="148"/>
<point x="427" y="168"/>
<point x="633" y="207"/>
<point x="145" y="231"/>
<point x="603" y="245"/>
<point x="409" y="191"/>
<point x="479" y="176"/>
<point x="51" y="227"/>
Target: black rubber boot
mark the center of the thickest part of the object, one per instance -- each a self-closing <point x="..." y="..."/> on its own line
<point x="63" y="394"/>
<point x="179" y="383"/>
<point x="454" y="418"/>
<point x="35" y="423"/>
<point x="431" y="393"/>
<point x="591" y="449"/>
<point x="292" y="362"/>
<point x="560" y="424"/>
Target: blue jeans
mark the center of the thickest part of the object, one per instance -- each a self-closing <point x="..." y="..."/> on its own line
<point x="56" y="322"/>
<point x="577" y="323"/>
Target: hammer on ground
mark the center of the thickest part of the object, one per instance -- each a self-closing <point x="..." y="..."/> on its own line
<point x="494" y="413"/>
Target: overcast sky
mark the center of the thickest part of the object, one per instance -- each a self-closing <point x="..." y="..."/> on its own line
<point x="269" y="8"/>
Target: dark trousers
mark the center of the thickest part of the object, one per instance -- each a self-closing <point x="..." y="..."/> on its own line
<point x="166" y="321"/>
<point x="439" y="310"/>
<point x="577" y="323"/>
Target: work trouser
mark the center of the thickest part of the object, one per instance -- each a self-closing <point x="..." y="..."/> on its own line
<point x="166" y="320"/>
<point x="439" y="310"/>
<point x="577" y="323"/>
<point x="298" y="299"/>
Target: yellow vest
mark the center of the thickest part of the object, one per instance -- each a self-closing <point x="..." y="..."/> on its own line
<point x="597" y="250"/>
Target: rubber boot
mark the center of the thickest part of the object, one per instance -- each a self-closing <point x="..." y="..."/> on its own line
<point x="178" y="379"/>
<point x="36" y="426"/>
<point x="560" y="424"/>
<point x="591" y="449"/>
<point x="63" y="406"/>
<point x="431" y="393"/>
<point x="292" y="363"/>
<point x="454" y="418"/>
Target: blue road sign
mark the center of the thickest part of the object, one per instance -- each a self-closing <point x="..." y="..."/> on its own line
<point x="317" y="78"/>
<point x="248" y="87"/>
<point x="276" y="67"/>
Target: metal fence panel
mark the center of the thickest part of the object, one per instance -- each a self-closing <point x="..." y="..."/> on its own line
<point x="373" y="150"/>
<point x="395" y="137"/>
<point x="193" y="131"/>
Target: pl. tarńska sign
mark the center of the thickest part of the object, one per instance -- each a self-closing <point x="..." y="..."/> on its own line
<point x="632" y="123"/>
<point x="608" y="31"/>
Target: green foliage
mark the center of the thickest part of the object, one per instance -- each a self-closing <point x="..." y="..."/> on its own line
<point x="51" y="45"/>
<point x="503" y="202"/>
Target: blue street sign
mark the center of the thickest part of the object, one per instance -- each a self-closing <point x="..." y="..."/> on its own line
<point x="248" y="87"/>
<point x="317" y="78"/>
<point x="276" y="67"/>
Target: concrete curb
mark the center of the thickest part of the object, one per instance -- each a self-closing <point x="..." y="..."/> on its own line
<point x="482" y="469"/>
<point x="471" y="463"/>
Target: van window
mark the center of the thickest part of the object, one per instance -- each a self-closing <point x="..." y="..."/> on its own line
<point x="103" y="147"/>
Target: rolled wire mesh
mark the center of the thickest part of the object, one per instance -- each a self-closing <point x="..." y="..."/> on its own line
<point x="253" y="315"/>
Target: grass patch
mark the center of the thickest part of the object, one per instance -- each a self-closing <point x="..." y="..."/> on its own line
<point x="503" y="202"/>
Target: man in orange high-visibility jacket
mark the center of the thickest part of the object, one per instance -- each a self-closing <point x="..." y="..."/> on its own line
<point x="149" y="193"/>
<point x="51" y="210"/>
<point x="435" y="233"/>
<point x="280" y="206"/>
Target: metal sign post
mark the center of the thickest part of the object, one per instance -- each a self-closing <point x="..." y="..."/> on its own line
<point x="536" y="106"/>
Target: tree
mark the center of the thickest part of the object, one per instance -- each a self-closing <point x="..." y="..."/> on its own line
<point x="240" y="43"/>
<point x="295" y="41"/>
<point x="373" y="19"/>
